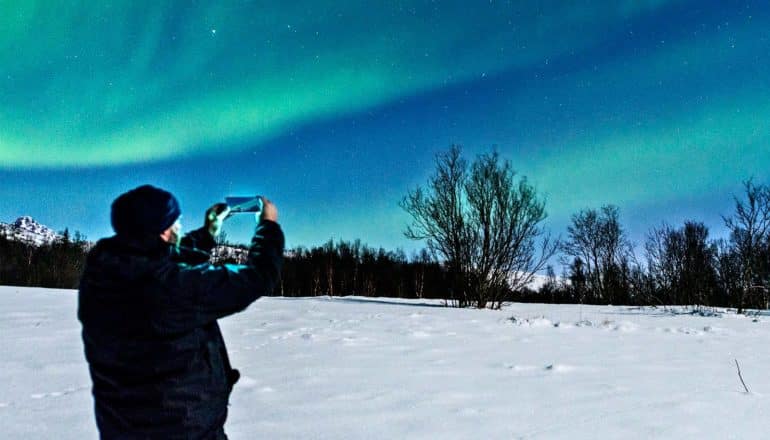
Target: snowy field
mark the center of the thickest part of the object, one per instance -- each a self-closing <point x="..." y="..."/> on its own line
<point x="354" y="368"/>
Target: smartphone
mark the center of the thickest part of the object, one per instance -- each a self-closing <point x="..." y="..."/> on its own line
<point x="244" y="204"/>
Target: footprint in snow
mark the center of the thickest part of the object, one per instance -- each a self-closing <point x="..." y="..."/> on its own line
<point x="686" y="330"/>
<point x="515" y="367"/>
<point x="559" y="368"/>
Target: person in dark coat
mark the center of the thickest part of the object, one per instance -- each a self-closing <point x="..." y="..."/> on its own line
<point x="149" y="303"/>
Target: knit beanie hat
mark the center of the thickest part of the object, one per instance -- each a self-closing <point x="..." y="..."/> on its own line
<point x="143" y="211"/>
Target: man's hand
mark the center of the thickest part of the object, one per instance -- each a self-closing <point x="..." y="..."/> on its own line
<point x="214" y="218"/>
<point x="269" y="211"/>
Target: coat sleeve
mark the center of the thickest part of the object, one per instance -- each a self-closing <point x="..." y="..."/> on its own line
<point x="199" y="239"/>
<point x="206" y="293"/>
<point x="195" y="247"/>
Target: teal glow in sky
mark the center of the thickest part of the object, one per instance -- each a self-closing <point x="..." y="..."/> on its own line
<point x="335" y="109"/>
<point x="118" y="82"/>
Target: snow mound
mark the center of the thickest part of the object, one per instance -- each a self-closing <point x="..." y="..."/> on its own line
<point x="622" y="326"/>
<point x="538" y="322"/>
<point x="559" y="368"/>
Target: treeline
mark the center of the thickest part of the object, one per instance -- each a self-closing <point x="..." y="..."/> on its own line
<point x="339" y="268"/>
<point x="479" y="225"/>
<point x="679" y="265"/>
<point x="352" y="268"/>
<point x="54" y="265"/>
<point x="336" y="268"/>
<point x="676" y="265"/>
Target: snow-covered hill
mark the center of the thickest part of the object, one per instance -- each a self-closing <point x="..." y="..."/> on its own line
<point x="358" y="368"/>
<point x="26" y="229"/>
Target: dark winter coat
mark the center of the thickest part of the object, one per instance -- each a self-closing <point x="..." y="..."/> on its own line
<point x="149" y="311"/>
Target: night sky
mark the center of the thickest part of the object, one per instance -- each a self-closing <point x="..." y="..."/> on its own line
<point x="335" y="109"/>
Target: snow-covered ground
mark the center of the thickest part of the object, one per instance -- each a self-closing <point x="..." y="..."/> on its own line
<point x="355" y="368"/>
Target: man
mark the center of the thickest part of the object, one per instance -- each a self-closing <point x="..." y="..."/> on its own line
<point x="149" y="303"/>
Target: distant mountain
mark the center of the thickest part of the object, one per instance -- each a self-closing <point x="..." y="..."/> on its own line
<point x="26" y="229"/>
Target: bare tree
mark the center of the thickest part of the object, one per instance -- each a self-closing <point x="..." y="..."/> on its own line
<point x="423" y="258"/>
<point x="749" y="233"/>
<point x="437" y="218"/>
<point x="578" y="280"/>
<point x="728" y="266"/>
<point x="597" y="239"/>
<point x="329" y="252"/>
<point x="683" y="264"/>
<point x="662" y="270"/>
<point x="483" y="223"/>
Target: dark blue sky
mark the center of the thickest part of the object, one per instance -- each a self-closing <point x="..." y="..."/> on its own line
<point x="336" y="111"/>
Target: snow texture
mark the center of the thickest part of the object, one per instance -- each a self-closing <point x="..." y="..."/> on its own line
<point x="357" y="368"/>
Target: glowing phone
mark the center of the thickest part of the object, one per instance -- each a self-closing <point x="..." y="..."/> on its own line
<point x="240" y="205"/>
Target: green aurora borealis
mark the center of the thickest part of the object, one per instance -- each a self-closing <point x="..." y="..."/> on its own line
<point x="99" y="83"/>
<point x="659" y="106"/>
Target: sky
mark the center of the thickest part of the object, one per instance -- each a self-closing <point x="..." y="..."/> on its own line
<point x="335" y="110"/>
